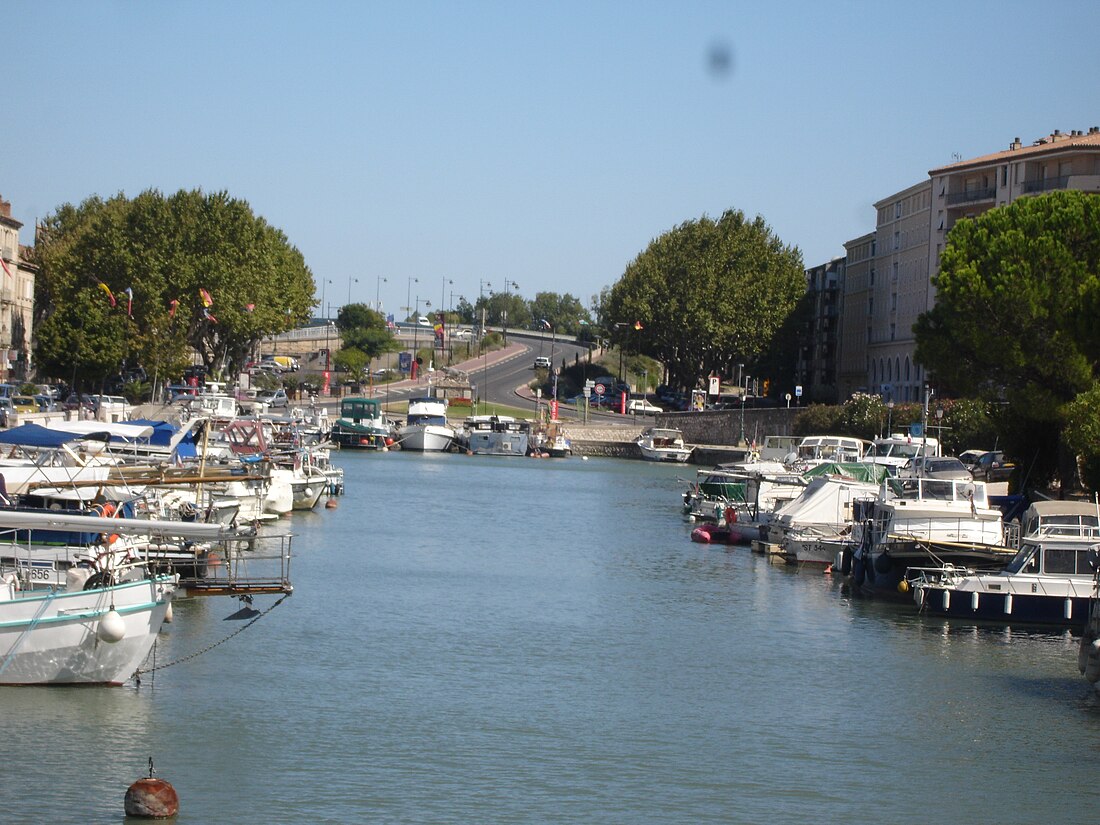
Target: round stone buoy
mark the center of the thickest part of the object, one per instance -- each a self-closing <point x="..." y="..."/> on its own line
<point x="152" y="798"/>
<point x="330" y="504"/>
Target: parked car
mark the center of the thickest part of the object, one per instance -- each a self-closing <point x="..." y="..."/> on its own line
<point x="272" y="399"/>
<point x="970" y="458"/>
<point x="6" y="412"/>
<point x="77" y="401"/>
<point x="45" y="403"/>
<point x="993" y="466"/>
<point x="640" y="406"/>
<point x="945" y="467"/>
<point x="24" y="404"/>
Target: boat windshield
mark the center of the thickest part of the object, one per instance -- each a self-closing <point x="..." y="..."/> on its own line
<point x="1025" y="561"/>
<point x="424" y="418"/>
<point x="891" y="449"/>
<point x="1084" y="526"/>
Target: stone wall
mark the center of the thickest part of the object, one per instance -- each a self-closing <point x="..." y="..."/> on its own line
<point x="723" y="427"/>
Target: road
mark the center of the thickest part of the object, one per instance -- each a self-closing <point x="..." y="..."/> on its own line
<point x="497" y="375"/>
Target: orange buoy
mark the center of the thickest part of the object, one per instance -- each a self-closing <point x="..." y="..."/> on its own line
<point x="151" y="798"/>
<point x="330" y="504"/>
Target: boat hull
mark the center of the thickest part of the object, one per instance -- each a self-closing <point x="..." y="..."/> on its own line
<point x="1064" y="611"/>
<point x="50" y="638"/>
<point x="426" y="438"/>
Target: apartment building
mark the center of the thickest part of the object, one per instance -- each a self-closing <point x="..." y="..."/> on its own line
<point x="857" y="308"/>
<point x="970" y="187"/>
<point x="16" y="300"/>
<point x="889" y="272"/>
<point x="816" y="366"/>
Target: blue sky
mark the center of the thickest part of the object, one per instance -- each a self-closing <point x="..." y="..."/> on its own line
<point x="545" y="144"/>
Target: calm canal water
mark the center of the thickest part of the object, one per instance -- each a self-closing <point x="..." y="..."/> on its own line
<point x="479" y="640"/>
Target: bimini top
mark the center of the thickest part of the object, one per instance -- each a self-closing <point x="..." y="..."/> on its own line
<point x="35" y="435"/>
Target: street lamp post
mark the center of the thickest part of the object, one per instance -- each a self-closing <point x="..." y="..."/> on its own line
<point x="350" y="282"/>
<point x="324" y="282"/>
<point x="889" y="417"/>
<point x="377" y="292"/>
<point x="481" y="285"/>
<point x="408" y="293"/>
<point x="742" y="439"/>
<point x="504" y="313"/>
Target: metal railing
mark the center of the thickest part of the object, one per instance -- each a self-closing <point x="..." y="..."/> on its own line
<point x="1046" y="184"/>
<point x="971" y="196"/>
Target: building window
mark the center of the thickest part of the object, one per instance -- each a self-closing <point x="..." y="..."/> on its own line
<point x="892" y="329"/>
<point x="897" y="241"/>
<point x="1004" y="175"/>
<point x="906" y="367"/>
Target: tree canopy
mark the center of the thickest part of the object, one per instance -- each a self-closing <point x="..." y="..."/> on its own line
<point x="150" y="280"/>
<point x="1018" y="292"/>
<point x="706" y="296"/>
<point x="364" y="334"/>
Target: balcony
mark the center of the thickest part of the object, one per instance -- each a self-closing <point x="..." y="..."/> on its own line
<point x="1046" y="184"/>
<point x="971" y="196"/>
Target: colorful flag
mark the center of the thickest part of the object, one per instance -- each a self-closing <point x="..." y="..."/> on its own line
<point x="250" y="307"/>
<point x="173" y="305"/>
<point x="6" y="270"/>
<point x="110" y="295"/>
<point x="207" y="300"/>
<point x="130" y="301"/>
<point x="637" y="325"/>
<point x="206" y="314"/>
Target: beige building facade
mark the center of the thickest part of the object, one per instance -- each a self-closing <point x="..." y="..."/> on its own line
<point x="890" y="271"/>
<point x="16" y="301"/>
<point x="856" y="312"/>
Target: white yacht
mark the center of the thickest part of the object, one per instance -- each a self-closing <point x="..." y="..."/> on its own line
<point x="426" y="428"/>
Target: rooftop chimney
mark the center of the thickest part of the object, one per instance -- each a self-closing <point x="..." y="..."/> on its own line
<point x="1015" y="144"/>
<point x="5" y="208"/>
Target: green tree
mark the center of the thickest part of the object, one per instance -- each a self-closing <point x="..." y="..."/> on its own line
<point x="162" y="261"/>
<point x="1018" y="292"/>
<point x="705" y="296"/>
<point x="564" y="313"/>
<point x="364" y="334"/>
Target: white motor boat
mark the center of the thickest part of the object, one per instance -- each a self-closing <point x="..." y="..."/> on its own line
<point x="1049" y="581"/>
<point x="663" y="444"/>
<point x="426" y="428"/>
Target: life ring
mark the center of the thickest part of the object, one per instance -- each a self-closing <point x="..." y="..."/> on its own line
<point x="731" y="515"/>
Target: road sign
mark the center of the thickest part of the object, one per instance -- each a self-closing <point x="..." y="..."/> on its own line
<point x="600" y="389"/>
<point x="798" y="391"/>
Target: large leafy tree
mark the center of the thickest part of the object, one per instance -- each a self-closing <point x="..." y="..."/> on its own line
<point x="564" y="313"/>
<point x="193" y="272"/>
<point x="705" y="296"/>
<point x="364" y="333"/>
<point x="1018" y="293"/>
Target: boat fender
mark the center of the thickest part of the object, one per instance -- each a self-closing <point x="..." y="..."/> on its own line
<point x="857" y="569"/>
<point x="1092" y="665"/>
<point x="701" y="535"/>
<point x="111" y="627"/>
<point x="903" y="586"/>
<point x="1088" y="636"/>
<point x="883" y="564"/>
<point x="846" y="561"/>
